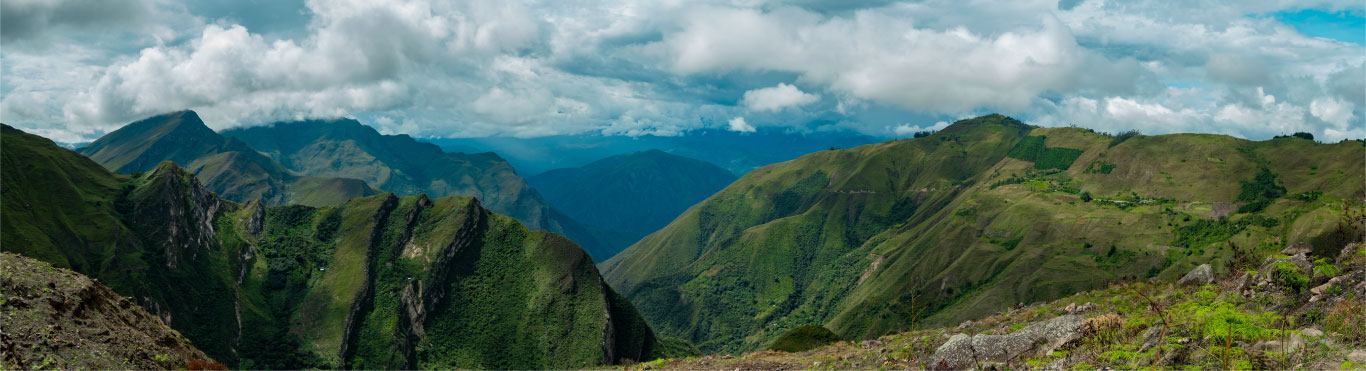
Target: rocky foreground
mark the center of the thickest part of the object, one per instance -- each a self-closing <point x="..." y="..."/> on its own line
<point x="1291" y="311"/>
<point x="58" y="319"/>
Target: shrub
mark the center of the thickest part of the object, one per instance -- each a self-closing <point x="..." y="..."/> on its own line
<point x="1309" y="196"/>
<point x="1289" y="276"/>
<point x="1205" y="232"/>
<point x="1260" y="191"/>
<point x="1123" y="136"/>
<point x="1345" y="318"/>
<point x="1220" y="319"/>
<point x="1324" y="268"/>
<point x="1301" y="135"/>
<point x="1100" y="167"/>
<point x="804" y="338"/>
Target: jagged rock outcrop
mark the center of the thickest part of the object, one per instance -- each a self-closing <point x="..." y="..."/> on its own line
<point x="175" y="213"/>
<point x="963" y="351"/>
<point x="1201" y="275"/>
<point x="59" y="319"/>
<point x="420" y="297"/>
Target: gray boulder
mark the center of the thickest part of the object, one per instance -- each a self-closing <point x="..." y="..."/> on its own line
<point x="963" y="351"/>
<point x="1202" y="275"/>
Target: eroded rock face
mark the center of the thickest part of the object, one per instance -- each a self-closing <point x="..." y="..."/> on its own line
<point x="176" y="212"/>
<point x="963" y="351"/>
<point x="1201" y="275"/>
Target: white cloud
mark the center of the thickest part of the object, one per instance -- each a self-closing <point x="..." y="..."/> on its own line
<point x="1332" y="111"/>
<point x="776" y="98"/>
<point x="633" y="67"/>
<point x="881" y="56"/>
<point x="738" y="124"/>
<point x="906" y="130"/>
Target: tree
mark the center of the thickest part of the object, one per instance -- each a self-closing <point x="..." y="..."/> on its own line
<point x="1085" y="196"/>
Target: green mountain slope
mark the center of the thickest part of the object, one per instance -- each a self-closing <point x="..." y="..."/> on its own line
<point x="635" y="193"/>
<point x="398" y="163"/>
<point x="227" y="167"/>
<point x="983" y="215"/>
<point x="375" y="282"/>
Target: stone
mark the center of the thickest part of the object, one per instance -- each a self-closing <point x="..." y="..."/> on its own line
<point x="1324" y="287"/>
<point x="1290" y="346"/>
<point x="1298" y="248"/>
<point x="1357" y="355"/>
<point x="963" y="351"/>
<point x="1311" y="332"/>
<point x="1201" y="275"/>
<point x="1242" y="282"/>
<point x="1351" y="254"/>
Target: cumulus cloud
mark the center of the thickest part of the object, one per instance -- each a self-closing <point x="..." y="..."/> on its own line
<point x="738" y="124"/>
<point x="776" y="98"/>
<point x="634" y="67"/>
<point x="878" y="55"/>
<point x="906" y="130"/>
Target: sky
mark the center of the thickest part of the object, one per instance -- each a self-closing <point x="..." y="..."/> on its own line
<point x="73" y="70"/>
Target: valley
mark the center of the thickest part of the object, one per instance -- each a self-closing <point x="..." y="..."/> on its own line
<point x="371" y="282"/>
<point x="893" y="241"/>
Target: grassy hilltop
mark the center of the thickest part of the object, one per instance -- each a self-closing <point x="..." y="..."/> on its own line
<point x="981" y="216"/>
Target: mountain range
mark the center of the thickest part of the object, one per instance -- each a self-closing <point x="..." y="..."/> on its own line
<point x="632" y="194"/>
<point x="375" y="282"/>
<point x="227" y="166"/>
<point x="334" y="246"/>
<point x="738" y="152"/>
<point x="321" y="163"/>
<point x="981" y="216"/>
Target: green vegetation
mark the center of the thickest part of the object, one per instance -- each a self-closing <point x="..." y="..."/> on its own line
<point x="1260" y="192"/>
<point x="1239" y="325"/>
<point x="376" y="282"/>
<point x="804" y="338"/>
<point x="1100" y="167"/>
<point x="345" y="148"/>
<point x="1123" y="136"/>
<point x="1298" y="134"/>
<point x="1032" y="149"/>
<point x="841" y="238"/>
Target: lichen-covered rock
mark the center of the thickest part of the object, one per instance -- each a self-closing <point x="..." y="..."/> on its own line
<point x="962" y="351"/>
<point x="1201" y="275"/>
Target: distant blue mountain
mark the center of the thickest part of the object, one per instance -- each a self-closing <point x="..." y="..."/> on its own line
<point x="737" y="152"/>
<point x="630" y="195"/>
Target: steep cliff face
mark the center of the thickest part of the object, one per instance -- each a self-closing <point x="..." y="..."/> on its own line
<point x="173" y="212"/>
<point x="376" y="282"/>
